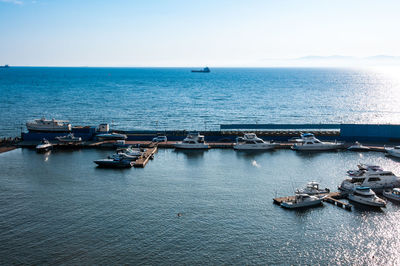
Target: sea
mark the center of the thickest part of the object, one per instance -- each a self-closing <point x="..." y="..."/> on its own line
<point x="210" y="207"/>
<point x="176" y="98"/>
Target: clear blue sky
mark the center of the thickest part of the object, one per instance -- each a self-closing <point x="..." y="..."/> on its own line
<point x="193" y="33"/>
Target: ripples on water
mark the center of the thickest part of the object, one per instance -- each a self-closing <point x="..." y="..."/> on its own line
<point x="175" y="98"/>
<point x="59" y="208"/>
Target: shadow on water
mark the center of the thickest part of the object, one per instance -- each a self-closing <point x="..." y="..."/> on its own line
<point x="191" y="154"/>
<point x="313" y="154"/>
<point x="251" y="154"/>
<point x="362" y="209"/>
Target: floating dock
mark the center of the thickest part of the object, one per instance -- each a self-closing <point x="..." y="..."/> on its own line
<point x="144" y="159"/>
<point x="332" y="197"/>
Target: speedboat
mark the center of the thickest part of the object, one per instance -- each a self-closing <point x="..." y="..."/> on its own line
<point x="366" y="196"/>
<point x="312" y="188"/>
<point x="124" y="156"/>
<point x="130" y="151"/>
<point x="192" y="141"/>
<point x="357" y="146"/>
<point x="310" y="143"/>
<point x="250" y="141"/>
<point x="393" y="194"/>
<point x="69" y="138"/>
<point x="372" y="176"/>
<point x="114" y="163"/>
<point x="127" y="154"/>
<point x="45" y="125"/>
<point x="302" y="201"/>
<point x="111" y="136"/>
<point x="395" y="151"/>
<point x="44" y="146"/>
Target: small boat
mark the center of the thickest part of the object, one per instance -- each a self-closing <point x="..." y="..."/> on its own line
<point x="131" y="151"/>
<point x="204" y="70"/>
<point x="193" y="141"/>
<point x="114" y="163"/>
<point x="302" y="201"/>
<point x="312" y="188"/>
<point x="123" y="156"/>
<point x="357" y="146"/>
<point x="372" y="176"/>
<point x="250" y="141"/>
<point x="309" y="142"/>
<point x="366" y="196"/>
<point x="395" y="151"/>
<point x="44" y="146"/>
<point x="393" y="194"/>
<point x="112" y="136"/>
<point x="69" y="138"/>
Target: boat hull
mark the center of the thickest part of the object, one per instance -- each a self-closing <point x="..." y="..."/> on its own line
<point x="362" y="201"/>
<point x="109" y="163"/>
<point x="248" y="147"/>
<point x="314" y="147"/>
<point x="308" y="204"/>
<point x="393" y="153"/>
<point x="44" y="149"/>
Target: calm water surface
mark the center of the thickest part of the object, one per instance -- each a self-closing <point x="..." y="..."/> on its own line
<point x="60" y="208"/>
<point x="175" y="98"/>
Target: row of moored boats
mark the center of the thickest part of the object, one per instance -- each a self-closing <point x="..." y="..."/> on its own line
<point x="361" y="187"/>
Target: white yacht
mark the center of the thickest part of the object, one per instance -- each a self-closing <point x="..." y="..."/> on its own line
<point x="192" y="141"/>
<point x="372" y="176"/>
<point x="393" y="194"/>
<point x="49" y="125"/>
<point x="309" y="142"/>
<point x="395" y="151"/>
<point x="44" y="146"/>
<point x="312" y="188"/>
<point x="69" y="138"/>
<point x="302" y="201"/>
<point x="250" y="141"/>
<point x="366" y="196"/>
<point x="357" y="146"/>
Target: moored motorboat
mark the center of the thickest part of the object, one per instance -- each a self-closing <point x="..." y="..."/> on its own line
<point x="69" y="138"/>
<point x="312" y="188"/>
<point x="366" y="196"/>
<point x="393" y="194"/>
<point x="372" y="176"/>
<point x="395" y="151"/>
<point x="309" y="142"/>
<point x="44" y="146"/>
<point x="111" y="136"/>
<point x="193" y="141"/>
<point x="114" y="163"/>
<point x="302" y="201"/>
<point x="250" y="141"/>
<point x="357" y="146"/>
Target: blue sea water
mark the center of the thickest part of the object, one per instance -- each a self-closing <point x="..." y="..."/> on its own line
<point x="58" y="208"/>
<point x="175" y="98"/>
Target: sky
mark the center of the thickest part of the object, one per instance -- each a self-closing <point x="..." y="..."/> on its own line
<point x="196" y="33"/>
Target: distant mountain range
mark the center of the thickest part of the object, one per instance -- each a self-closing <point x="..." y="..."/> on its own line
<point x="351" y="58"/>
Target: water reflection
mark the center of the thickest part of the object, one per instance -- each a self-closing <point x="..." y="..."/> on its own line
<point x="191" y="154"/>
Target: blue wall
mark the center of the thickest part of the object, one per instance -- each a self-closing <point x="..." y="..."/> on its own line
<point x="370" y="132"/>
